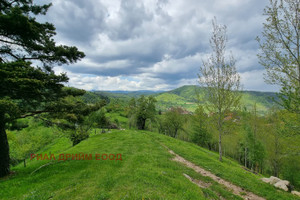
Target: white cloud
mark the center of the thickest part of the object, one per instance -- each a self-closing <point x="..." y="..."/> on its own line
<point x="253" y="80"/>
<point x="154" y="44"/>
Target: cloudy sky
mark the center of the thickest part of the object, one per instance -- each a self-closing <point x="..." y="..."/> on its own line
<point x="154" y="44"/>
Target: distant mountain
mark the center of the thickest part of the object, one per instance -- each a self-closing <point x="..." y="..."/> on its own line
<point x="138" y="92"/>
<point x="187" y="97"/>
<point x="124" y="96"/>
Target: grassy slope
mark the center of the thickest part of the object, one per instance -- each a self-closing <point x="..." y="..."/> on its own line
<point x="167" y="100"/>
<point x="146" y="171"/>
<point x="186" y="97"/>
<point x="228" y="169"/>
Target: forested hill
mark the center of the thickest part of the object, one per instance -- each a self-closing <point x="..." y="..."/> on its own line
<point x="185" y="97"/>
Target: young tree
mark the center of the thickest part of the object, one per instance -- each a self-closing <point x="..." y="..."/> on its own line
<point x="131" y="111"/>
<point x="201" y="135"/>
<point x="27" y="90"/>
<point x="99" y="119"/>
<point x="253" y="152"/>
<point x="221" y="79"/>
<point x="173" y="121"/>
<point x="276" y="133"/>
<point x="145" y="109"/>
<point x="280" y="50"/>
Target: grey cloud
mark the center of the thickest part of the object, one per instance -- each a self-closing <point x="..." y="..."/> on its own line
<point x="132" y="37"/>
<point x="132" y="14"/>
<point x="78" y="20"/>
<point x="115" y="68"/>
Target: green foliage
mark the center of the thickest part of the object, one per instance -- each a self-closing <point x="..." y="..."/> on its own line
<point x="252" y="151"/>
<point x="221" y="80"/>
<point x="200" y="134"/>
<point x="75" y="117"/>
<point x="92" y="98"/>
<point x="77" y="136"/>
<point x="280" y="47"/>
<point x="141" y="110"/>
<point x="173" y="121"/>
<point x="187" y="97"/>
<point x="145" y="110"/>
<point x="25" y="89"/>
<point x="99" y="119"/>
<point x="18" y="124"/>
<point x="29" y="140"/>
<point x="24" y="38"/>
<point x="290" y="170"/>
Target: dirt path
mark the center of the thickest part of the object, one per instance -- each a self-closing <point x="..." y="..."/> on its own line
<point x="235" y="189"/>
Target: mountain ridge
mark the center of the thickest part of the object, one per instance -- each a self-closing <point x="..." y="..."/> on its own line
<point x="187" y="97"/>
<point x="162" y="91"/>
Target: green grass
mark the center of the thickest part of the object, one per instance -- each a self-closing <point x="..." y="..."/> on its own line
<point x="228" y="169"/>
<point x="168" y="100"/>
<point x="146" y="172"/>
<point x="118" y="118"/>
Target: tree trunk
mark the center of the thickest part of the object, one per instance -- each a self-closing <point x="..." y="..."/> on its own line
<point x="245" y="156"/>
<point x="141" y="123"/>
<point x="4" y="149"/>
<point x="175" y="135"/>
<point x="276" y="170"/>
<point x="220" y="146"/>
<point x="220" y="137"/>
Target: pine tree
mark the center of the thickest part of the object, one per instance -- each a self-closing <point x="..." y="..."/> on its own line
<point x="27" y="89"/>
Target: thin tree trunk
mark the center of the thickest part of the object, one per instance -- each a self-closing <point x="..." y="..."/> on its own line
<point x="245" y="156"/>
<point x="220" y="137"/>
<point x="4" y="149"/>
<point x="141" y="124"/>
<point x="220" y="146"/>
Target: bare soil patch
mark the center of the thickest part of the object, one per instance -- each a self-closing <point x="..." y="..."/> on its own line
<point x="233" y="188"/>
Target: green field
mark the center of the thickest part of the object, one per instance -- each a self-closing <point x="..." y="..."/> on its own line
<point x="145" y="172"/>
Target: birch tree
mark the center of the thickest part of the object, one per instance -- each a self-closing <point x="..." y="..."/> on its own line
<point x="220" y="77"/>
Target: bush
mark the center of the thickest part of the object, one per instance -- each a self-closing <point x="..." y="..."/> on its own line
<point x="77" y="136"/>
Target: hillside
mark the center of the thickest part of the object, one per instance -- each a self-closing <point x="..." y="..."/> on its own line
<point x="145" y="172"/>
<point x="189" y="97"/>
<point x="186" y="97"/>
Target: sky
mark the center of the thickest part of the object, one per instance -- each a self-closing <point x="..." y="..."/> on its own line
<point x="155" y="44"/>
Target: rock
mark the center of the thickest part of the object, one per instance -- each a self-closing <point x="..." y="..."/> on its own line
<point x="282" y="185"/>
<point x="277" y="182"/>
<point x="296" y="193"/>
<point x="266" y="180"/>
<point x="274" y="180"/>
<point x="287" y="183"/>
